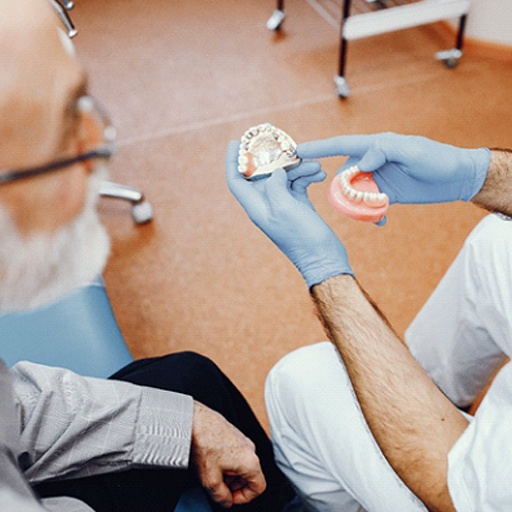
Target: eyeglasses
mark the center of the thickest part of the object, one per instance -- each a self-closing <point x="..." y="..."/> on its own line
<point x="98" y="120"/>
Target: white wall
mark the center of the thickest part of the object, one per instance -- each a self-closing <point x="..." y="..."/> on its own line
<point x="490" y="20"/>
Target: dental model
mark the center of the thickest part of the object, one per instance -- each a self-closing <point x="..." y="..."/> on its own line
<point x="265" y="148"/>
<point x="355" y="194"/>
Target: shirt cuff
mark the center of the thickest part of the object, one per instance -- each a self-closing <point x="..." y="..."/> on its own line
<point x="164" y="429"/>
<point x="65" y="504"/>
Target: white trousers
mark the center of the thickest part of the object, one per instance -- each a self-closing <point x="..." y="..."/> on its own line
<point x="321" y="439"/>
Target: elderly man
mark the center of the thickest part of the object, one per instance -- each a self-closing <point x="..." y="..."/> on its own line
<point x="69" y="443"/>
<point x="363" y="423"/>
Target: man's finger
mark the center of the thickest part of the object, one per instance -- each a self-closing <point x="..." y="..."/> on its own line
<point x="305" y="168"/>
<point x="255" y="485"/>
<point x="244" y="191"/>
<point x="217" y="488"/>
<point x="301" y="184"/>
<point x="276" y="188"/>
<point x="236" y="182"/>
<point x="349" y="145"/>
<point x="373" y="160"/>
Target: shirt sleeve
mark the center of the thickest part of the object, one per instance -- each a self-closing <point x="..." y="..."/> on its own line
<point x="16" y="495"/>
<point x="73" y="426"/>
<point x="480" y="462"/>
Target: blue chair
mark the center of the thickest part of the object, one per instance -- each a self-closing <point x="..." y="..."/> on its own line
<point x="78" y="332"/>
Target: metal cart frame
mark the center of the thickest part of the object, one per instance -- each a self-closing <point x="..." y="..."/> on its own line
<point x="405" y="16"/>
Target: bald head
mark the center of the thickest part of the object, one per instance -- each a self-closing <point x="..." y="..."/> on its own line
<point x="38" y="78"/>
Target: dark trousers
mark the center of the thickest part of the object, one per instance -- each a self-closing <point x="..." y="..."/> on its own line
<point x="155" y="490"/>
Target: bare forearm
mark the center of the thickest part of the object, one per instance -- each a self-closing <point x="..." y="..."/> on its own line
<point x="496" y="192"/>
<point x="414" y="424"/>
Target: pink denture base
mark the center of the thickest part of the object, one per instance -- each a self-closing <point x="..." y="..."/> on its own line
<point x="367" y="209"/>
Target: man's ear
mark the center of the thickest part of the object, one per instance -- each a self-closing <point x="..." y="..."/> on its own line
<point x="90" y="134"/>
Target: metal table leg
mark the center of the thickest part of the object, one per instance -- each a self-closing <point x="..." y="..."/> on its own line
<point x="341" y="83"/>
<point x="451" y="57"/>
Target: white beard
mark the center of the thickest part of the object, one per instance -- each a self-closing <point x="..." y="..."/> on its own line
<point x="40" y="268"/>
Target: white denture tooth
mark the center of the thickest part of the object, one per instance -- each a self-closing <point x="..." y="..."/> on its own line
<point x="348" y="175"/>
<point x="351" y="193"/>
<point x="376" y="199"/>
<point x="242" y="159"/>
<point x="359" y="196"/>
<point x="382" y="198"/>
<point x="370" y="198"/>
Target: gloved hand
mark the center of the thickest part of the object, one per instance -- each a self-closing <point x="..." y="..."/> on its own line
<point x="280" y="207"/>
<point x="410" y="169"/>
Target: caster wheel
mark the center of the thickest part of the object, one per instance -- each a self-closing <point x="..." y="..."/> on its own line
<point x="450" y="58"/>
<point x="276" y="20"/>
<point x="451" y="63"/>
<point x="142" y="212"/>
<point x="342" y="87"/>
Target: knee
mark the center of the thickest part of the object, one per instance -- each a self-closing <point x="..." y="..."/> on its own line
<point x="189" y="372"/>
<point x="295" y="368"/>
<point x="193" y="361"/>
<point x="299" y="378"/>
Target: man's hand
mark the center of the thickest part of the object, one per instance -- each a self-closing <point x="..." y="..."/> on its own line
<point x="410" y="169"/>
<point x="225" y="459"/>
<point x="280" y="207"/>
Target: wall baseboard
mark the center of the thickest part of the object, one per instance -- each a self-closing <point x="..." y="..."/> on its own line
<point x="474" y="46"/>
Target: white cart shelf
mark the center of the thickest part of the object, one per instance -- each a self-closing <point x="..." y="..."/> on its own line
<point x="366" y="18"/>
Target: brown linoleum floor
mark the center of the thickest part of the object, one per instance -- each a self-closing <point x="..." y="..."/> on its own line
<point x="181" y="79"/>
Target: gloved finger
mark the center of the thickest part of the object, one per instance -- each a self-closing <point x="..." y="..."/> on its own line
<point x="276" y="188"/>
<point x="372" y="160"/>
<point x="231" y="162"/>
<point x="238" y="185"/>
<point x="381" y="221"/>
<point x="248" y="195"/>
<point x="305" y="168"/>
<point x="350" y="145"/>
<point x="301" y="184"/>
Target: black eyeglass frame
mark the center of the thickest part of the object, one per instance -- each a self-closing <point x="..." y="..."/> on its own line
<point x="104" y="151"/>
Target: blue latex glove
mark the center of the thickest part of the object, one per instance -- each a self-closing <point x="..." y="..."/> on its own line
<point x="280" y="207"/>
<point x="410" y="169"/>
